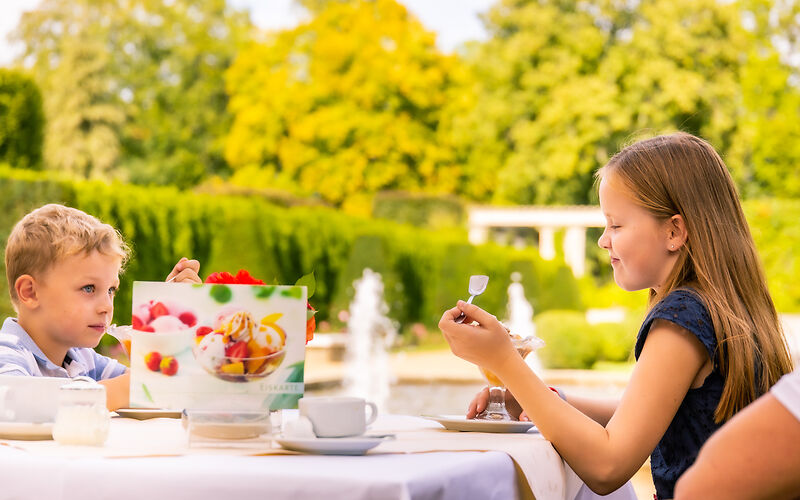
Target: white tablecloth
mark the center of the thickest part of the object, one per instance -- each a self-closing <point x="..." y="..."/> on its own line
<point x="402" y="469"/>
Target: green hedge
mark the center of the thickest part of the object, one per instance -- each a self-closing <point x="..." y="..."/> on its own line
<point x="424" y="271"/>
<point x="571" y="342"/>
<point x="422" y="210"/>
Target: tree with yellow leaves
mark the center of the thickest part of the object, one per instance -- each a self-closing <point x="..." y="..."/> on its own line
<point x="348" y="103"/>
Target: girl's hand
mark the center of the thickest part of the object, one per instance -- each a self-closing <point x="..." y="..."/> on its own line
<point x="185" y="271"/>
<point x="485" y="344"/>
<point x="478" y="404"/>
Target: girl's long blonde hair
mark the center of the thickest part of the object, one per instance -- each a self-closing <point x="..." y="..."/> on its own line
<point x="683" y="174"/>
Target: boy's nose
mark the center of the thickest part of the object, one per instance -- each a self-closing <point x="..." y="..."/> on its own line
<point x="106" y="304"/>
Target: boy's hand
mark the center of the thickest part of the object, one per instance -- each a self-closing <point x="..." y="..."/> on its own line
<point x="479" y="402"/>
<point x="118" y="391"/>
<point x="185" y="271"/>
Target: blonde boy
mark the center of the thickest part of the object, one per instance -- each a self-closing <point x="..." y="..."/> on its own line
<point x="63" y="269"/>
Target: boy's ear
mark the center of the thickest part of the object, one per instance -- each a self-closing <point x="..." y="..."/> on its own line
<point x="25" y="287"/>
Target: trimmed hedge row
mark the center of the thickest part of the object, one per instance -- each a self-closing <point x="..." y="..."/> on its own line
<point x="424" y="272"/>
<point x="571" y="342"/>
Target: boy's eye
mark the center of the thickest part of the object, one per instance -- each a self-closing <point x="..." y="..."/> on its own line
<point x="88" y="288"/>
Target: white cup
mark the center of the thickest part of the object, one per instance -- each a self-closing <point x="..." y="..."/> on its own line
<point x="29" y="399"/>
<point x="338" y="416"/>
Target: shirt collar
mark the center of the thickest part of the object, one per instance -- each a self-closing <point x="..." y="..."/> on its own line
<point x="11" y="326"/>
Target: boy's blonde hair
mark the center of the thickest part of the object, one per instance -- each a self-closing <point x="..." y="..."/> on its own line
<point x="53" y="232"/>
<point x="681" y="174"/>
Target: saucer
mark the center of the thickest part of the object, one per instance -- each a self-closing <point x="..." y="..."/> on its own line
<point x="26" y="431"/>
<point x="146" y="413"/>
<point x="462" y="423"/>
<point x="331" y="446"/>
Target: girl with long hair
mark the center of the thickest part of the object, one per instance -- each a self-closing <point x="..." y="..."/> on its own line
<point x="710" y="344"/>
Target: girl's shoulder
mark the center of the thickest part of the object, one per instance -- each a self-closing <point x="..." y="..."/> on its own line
<point x="686" y="308"/>
<point x="681" y="301"/>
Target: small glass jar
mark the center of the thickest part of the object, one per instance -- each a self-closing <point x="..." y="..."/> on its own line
<point x="82" y="417"/>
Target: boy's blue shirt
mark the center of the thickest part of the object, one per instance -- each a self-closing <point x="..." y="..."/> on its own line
<point x="19" y="355"/>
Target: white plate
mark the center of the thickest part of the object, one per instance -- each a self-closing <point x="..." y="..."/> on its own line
<point x="462" y="423"/>
<point x="26" y="431"/>
<point x="145" y="413"/>
<point x="331" y="446"/>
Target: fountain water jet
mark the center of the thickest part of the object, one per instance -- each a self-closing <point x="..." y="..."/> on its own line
<point x="370" y="334"/>
<point x="520" y="318"/>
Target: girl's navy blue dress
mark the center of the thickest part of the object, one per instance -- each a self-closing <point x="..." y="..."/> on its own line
<point x="694" y="422"/>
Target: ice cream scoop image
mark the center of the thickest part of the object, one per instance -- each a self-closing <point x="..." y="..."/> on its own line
<point x="162" y="316"/>
<point x="167" y="324"/>
<point x="210" y="352"/>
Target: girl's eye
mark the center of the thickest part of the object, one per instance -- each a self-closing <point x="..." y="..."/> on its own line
<point x="112" y="291"/>
<point x="88" y="288"/>
<point x="613" y="227"/>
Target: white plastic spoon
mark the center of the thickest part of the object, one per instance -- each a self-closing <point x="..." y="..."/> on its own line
<point x="477" y="285"/>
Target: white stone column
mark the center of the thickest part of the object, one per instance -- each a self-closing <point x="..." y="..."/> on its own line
<point x="547" y="243"/>
<point x="575" y="250"/>
<point x="478" y="234"/>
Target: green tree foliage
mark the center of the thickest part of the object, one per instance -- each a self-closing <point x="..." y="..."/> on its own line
<point x="21" y="120"/>
<point x="563" y="84"/>
<point x="134" y="89"/>
<point x="766" y="152"/>
<point x="85" y="119"/>
<point x="345" y="104"/>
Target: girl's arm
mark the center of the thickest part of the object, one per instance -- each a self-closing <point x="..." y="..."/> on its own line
<point x="604" y="457"/>
<point x="754" y="455"/>
<point x="118" y="390"/>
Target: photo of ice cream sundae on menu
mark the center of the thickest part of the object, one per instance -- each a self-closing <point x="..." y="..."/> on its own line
<point x="238" y="348"/>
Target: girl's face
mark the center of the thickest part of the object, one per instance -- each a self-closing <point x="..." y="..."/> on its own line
<point x="637" y="242"/>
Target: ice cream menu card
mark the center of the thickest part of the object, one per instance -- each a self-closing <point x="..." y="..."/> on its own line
<point x="217" y="347"/>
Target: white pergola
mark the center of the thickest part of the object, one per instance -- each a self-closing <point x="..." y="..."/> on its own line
<point x="546" y="220"/>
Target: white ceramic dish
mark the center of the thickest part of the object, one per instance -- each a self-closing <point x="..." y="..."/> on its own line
<point x="26" y="431"/>
<point x="331" y="446"/>
<point x="146" y="413"/>
<point x="462" y="423"/>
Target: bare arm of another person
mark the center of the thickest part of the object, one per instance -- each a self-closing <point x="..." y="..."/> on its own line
<point x="755" y="455"/>
<point x="604" y="457"/>
<point x="118" y="391"/>
<point x="598" y="409"/>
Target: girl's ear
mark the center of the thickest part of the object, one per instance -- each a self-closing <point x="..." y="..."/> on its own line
<point x="676" y="233"/>
<point x="25" y="287"/>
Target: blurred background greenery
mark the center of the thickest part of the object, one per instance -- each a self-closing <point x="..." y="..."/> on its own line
<point x="352" y="140"/>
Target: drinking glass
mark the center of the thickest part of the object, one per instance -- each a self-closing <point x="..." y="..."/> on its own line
<point x="496" y="406"/>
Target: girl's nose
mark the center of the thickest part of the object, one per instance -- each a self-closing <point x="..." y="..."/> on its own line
<point x="603" y="241"/>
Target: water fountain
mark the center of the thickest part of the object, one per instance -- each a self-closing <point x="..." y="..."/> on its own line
<point x="520" y="318"/>
<point x="370" y="334"/>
